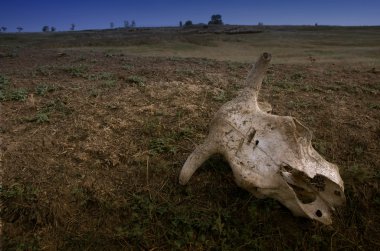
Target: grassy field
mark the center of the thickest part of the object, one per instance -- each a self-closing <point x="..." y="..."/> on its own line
<point x="96" y="125"/>
<point x="290" y="44"/>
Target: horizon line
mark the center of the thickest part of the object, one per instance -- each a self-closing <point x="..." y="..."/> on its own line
<point x="196" y="24"/>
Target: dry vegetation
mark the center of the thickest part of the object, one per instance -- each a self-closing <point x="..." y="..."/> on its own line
<point x="93" y="138"/>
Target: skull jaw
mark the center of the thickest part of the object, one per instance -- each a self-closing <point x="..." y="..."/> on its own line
<point x="316" y="208"/>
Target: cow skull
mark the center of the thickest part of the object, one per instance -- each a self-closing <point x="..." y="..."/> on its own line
<point x="270" y="155"/>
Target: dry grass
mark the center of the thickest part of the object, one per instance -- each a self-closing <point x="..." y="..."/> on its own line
<point x="90" y="158"/>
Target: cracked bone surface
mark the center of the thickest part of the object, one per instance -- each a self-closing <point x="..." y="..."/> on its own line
<point x="270" y="155"/>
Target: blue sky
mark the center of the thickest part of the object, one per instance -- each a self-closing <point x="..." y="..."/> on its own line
<point x="97" y="14"/>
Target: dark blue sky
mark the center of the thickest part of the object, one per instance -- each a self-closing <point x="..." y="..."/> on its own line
<point x="95" y="14"/>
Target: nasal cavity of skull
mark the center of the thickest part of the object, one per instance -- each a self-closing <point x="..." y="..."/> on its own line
<point x="300" y="184"/>
<point x="319" y="182"/>
<point x="318" y="213"/>
<point x="306" y="197"/>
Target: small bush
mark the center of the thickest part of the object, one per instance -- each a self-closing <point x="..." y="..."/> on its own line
<point x="188" y="23"/>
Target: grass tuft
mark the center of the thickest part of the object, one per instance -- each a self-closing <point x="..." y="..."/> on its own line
<point x="138" y="80"/>
<point x="77" y="70"/>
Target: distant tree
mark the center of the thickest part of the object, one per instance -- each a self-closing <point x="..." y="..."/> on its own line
<point x="72" y="27"/>
<point x="112" y="25"/>
<point x="3" y="28"/>
<point x="260" y="24"/>
<point x="133" y="23"/>
<point x="45" y="28"/>
<point x="316" y="24"/>
<point x="188" y="23"/>
<point x="216" y="19"/>
<point x="19" y="28"/>
<point x="52" y="29"/>
<point x="180" y="23"/>
<point x="126" y="24"/>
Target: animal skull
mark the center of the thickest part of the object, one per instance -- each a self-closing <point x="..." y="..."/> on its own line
<point x="270" y="155"/>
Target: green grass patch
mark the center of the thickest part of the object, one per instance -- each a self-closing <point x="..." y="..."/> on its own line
<point x="14" y="94"/>
<point x="4" y="82"/>
<point x="45" y="70"/>
<point x="43" y="89"/>
<point x="76" y="70"/>
<point x="127" y="67"/>
<point x="18" y="94"/>
<point x="162" y="145"/>
<point x="137" y="80"/>
<point x="102" y="76"/>
<point x="39" y="118"/>
<point x="18" y="191"/>
<point x="94" y="93"/>
<point x="44" y="113"/>
<point x="108" y="84"/>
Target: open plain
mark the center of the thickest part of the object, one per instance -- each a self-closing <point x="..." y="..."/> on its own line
<point x="96" y="125"/>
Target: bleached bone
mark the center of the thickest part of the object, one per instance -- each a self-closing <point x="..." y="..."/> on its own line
<point x="270" y="155"/>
